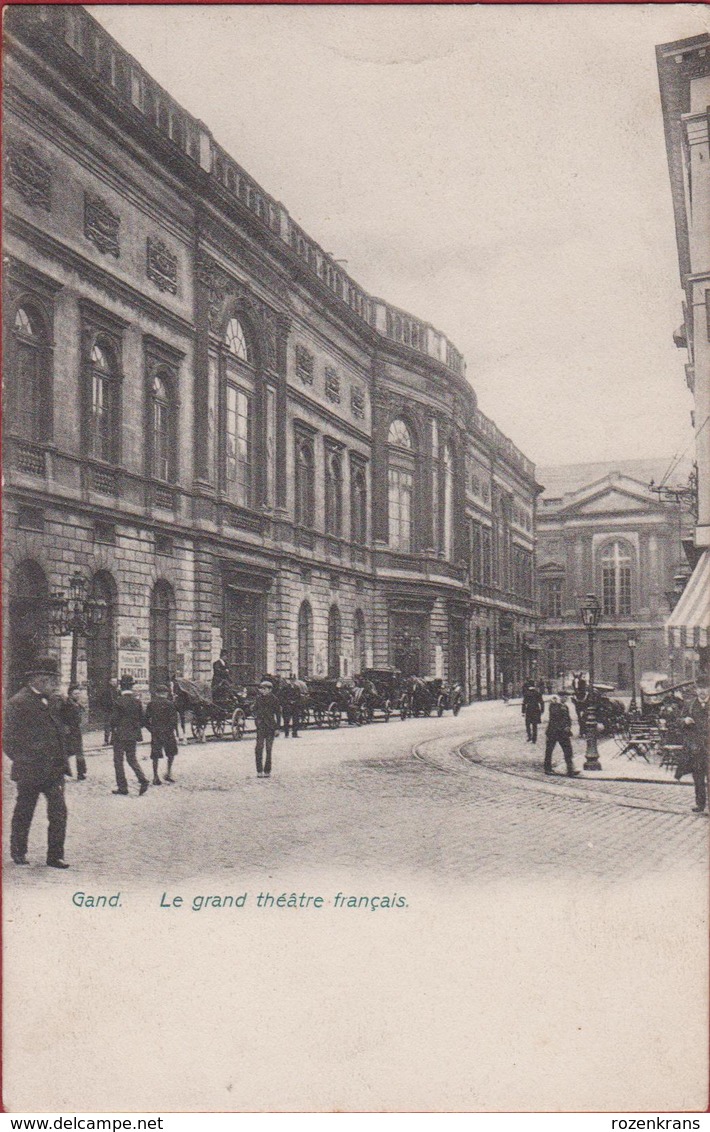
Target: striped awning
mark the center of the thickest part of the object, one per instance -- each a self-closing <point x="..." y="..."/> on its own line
<point x="689" y="624"/>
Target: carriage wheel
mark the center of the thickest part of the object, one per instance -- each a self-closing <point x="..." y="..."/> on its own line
<point x="333" y="715"/>
<point x="198" y="728"/>
<point x="238" y="724"/>
<point x="440" y="705"/>
<point x="218" y="725"/>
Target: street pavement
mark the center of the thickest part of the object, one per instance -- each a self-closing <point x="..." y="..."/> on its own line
<point x="440" y="798"/>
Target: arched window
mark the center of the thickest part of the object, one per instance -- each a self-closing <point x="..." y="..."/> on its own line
<point x="448" y="502"/>
<point x="236" y="341"/>
<point x="359" y="642"/>
<point x="305" y="483"/>
<point x="400" y="482"/>
<point x="162" y="634"/>
<point x="616" y="561"/>
<point x="103" y="422"/>
<point x="399" y="435"/>
<point x="333" y="493"/>
<point x="163" y="447"/>
<point x="334" y="641"/>
<point x="305" y="641"/>
<point x="31" y="402"/>
<point x="28" y="621"/>
<point x="358" y="507"/>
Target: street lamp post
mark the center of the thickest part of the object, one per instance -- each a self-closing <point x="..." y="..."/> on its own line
<point x="632" y="643"/>
<point x="78" y="614"/>
<point x="591" y="612"/>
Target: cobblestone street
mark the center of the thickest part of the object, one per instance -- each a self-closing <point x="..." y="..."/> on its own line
<point x="446" y="797"/>
<point x="542" y="913"/>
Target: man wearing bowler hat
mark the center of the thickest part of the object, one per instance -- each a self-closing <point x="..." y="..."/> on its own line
<point x="33" y="739"/>
<point x="126" y="723"/>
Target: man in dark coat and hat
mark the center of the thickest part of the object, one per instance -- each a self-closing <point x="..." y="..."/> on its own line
<point x="695" y="741"/>
<point x="33" y="740"/>
<point x="126" y="724"/>
<point x="532" y="708"/>
<point x="267" y="716"/>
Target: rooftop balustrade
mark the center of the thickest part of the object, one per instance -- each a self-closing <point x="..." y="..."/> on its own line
<point x="71" y="28"/>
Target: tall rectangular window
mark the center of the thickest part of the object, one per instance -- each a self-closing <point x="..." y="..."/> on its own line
<point x="624" y="591"/>
<point x="101" y="416"/>
<point x="238" y="455"/>
<point x="270" y="446"/>
<point x="551" y="597"/>
<point x="400" y="509"/>
<point x="609" y="591"/>
<point x="476" y="565"/>
<point x="486" y="556"/>
<point x="161" y="440"/>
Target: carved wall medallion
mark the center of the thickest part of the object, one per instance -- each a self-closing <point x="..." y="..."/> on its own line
<point x="357" y="401"/>
<point x="27" y="173"/>
<point x="161" y="265"/>
<point x="332" y="385"/>
<point x="304" y="365"/>
<point x="101" y="225"/>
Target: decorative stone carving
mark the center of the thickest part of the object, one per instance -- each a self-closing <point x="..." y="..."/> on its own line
<point x="223" y="290"/>
<point x="332" y="385"/>
<point x="161" y="265"/>
<point x="101" y="225"/>
<point x="27" y="173"/>
<point x="304" y="365"/>
<point x="357" y="401"/>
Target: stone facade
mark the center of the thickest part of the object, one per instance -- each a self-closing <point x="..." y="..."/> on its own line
<point x="684" y="80"/>
<point x="602" y="530"/>
<point x="231" y="441"/>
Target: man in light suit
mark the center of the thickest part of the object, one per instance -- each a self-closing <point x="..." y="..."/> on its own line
<point x="33" y="739"/>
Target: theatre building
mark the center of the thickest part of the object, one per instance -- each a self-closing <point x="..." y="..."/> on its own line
<point x="207" y="418"/>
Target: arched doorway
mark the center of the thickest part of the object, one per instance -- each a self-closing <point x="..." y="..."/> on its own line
<point x="162" y="634"/>
<point x="29" y="624"/>
<point x="101" y="650"/>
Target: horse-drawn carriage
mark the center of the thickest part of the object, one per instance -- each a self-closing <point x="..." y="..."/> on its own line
<point x="382" y="689"/>
<point x="420" y="697"/>
<point x="329" y="701"/>
<point x="229" y="712"/>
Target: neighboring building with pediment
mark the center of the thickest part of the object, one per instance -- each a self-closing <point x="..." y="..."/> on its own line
<point x="602" y="530"/>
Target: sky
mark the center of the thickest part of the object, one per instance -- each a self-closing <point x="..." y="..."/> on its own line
<point x="497" y="171"/>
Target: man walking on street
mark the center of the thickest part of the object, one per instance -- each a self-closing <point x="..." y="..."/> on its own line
<point x="161" y="719"/>
<point x="559" y="730"/>
<point x="126" y="723"/>
<point x="290" y="701"/>
<point x="70" y="712"/>
<point x="695" y="742"/>
<point x="267" y="715"/>
<point x="532" y="709"/>
<point x="33" y="739"/>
